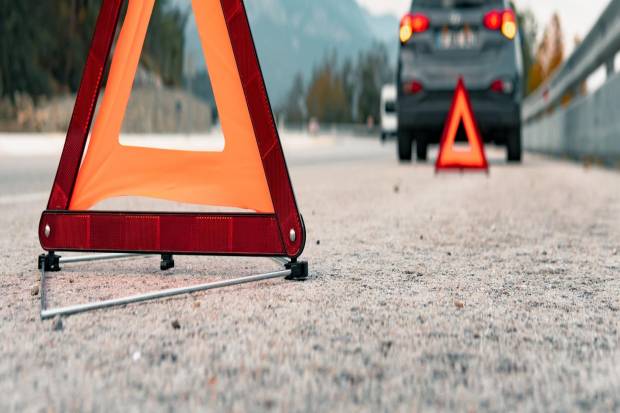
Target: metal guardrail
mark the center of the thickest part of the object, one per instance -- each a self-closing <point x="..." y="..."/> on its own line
<point x="589" y="125"/>
<point x="598" y="49"/>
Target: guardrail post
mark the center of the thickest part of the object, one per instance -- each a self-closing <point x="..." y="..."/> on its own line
<point x="610" y="66"/>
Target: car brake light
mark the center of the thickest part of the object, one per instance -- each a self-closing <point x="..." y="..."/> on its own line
<point x="411" y="24"/>
<point x="502" y="86"/>
<point x="497" y="86"/>
<point x="493" y="20"/>
<point x="412" y="88"/>
<point x="501" y="20"/>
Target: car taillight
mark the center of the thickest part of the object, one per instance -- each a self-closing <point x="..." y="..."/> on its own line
<point x="502" y="20"/>
<point x="509" y="24"/>
<point x="502" y="86"/>
<point x="412" y="88"/>
<point x="411" y="24"/>
<point x="493" y="20"/>
<point x="497" y="86"/>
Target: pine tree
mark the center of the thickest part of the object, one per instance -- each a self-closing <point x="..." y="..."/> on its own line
<point x="44" y="44"/>
<point x="549" y="56"/>
<point x="556" y="43"/>
<point x="295" y="106"/>
<point x="326" y="99"/>
<point x="528" y="28"/>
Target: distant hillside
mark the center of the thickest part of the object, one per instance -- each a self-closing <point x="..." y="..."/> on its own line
<point x="385" y="28"/>
<point x="295" y="35"/>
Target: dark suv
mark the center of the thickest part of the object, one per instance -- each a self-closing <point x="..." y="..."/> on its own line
<point x="442" y="40"/>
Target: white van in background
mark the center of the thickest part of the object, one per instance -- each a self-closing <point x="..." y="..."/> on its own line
<point x="389" y="117"/>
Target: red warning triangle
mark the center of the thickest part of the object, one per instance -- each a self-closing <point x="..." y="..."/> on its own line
<point x="454" y="158"/>
<point x="250" y="173"/>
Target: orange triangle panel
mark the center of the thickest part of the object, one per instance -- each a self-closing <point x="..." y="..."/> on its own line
<point x="250" y="173"/>
<point x="454" y="158"/>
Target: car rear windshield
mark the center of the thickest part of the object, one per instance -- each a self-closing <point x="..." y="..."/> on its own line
<point x="449" y="4"/>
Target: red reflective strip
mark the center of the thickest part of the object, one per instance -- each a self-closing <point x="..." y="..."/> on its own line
<point x="182" y="233"/>
<point x="263" y="122"/>
<point x="83" y="110"/>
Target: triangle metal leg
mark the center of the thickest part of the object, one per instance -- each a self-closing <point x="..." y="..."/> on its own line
<point x="293" y="271"/>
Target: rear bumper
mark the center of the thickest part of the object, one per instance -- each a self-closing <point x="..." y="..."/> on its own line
<point x="429" y="111"/>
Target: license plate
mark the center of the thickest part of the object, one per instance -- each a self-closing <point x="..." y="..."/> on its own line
<point x="457" y="39"/>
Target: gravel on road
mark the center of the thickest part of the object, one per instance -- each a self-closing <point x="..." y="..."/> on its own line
<point x="448" y="292"/>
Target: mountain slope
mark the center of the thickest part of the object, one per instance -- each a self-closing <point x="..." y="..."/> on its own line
<point x="385" y="28"/>
<point x="293" y="36"/>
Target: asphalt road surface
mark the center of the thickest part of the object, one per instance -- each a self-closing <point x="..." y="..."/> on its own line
<point x="448" y="292"/>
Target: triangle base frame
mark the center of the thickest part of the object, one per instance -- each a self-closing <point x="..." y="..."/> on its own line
<point x="293" y="270"/>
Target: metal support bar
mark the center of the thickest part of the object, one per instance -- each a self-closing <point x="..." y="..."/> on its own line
<point x="42" y="289"/>
<point x="45" y="314"/>
<point x="294" y="271"/>
<point x="281" y="260"/>
<point x="103" y="257"/>
<point x="97" y="257"/>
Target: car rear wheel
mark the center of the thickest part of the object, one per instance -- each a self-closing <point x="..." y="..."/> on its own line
<point x="405" y="146"/>
<point x="513" y="145"/>
<point x="421" y="148"/>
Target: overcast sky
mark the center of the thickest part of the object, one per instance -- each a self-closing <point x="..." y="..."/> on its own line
<point x="577" y="16"/>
